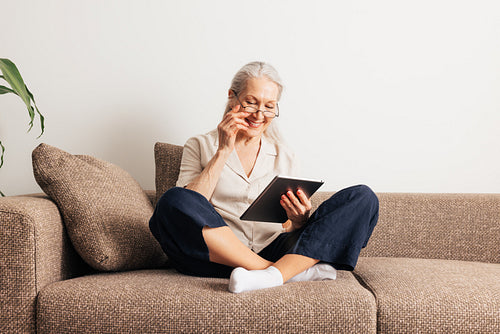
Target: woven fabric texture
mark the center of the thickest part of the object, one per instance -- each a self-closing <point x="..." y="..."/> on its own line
<point x="163" y="301"/>
<point x="34" y="252"/>
<point x="168" y="161"/>
<point x="151" y="195"/>
<point x="105" y="210"/>
<point x="433" y="296"/>
<point x="435" y="226"/>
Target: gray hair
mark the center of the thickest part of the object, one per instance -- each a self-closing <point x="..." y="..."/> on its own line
<point x="256" y="69"/>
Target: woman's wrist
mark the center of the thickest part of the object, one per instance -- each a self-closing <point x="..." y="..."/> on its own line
<point x="288" y="226"/>
<point x="223" y="153"/>
<point x="206" y="181"/>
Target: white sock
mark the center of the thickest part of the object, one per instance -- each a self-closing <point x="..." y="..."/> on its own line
<point x="246" y="280"/>
<point x="318" y="272"/>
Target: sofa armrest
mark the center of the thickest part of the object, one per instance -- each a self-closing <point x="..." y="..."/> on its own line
<point x="34" y="252"/>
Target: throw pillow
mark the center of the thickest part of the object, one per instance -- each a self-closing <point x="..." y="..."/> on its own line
<point x="168" y="162"/>
<point x="106" y="212"/>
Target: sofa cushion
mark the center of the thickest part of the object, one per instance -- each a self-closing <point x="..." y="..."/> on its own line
<point x="105" y="211"/>
<point x="433" y="296"/>
<point x="163" y="301"/>
<point x="168" y="162"/>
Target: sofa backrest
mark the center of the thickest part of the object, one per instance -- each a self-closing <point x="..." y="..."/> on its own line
<point x="168" y="156"/>
<point x="438" y="226"/>
<point x="435" y="226"/>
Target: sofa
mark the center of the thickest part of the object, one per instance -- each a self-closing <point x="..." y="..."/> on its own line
<point x="431" y="266"/>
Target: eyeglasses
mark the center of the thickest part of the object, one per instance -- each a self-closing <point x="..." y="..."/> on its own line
<point x="254" y="109"/>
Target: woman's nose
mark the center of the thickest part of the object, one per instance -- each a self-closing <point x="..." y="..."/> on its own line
<point x="259" y="114"/>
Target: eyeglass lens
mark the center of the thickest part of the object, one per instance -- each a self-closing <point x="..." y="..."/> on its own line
<point x="266" y="113"/>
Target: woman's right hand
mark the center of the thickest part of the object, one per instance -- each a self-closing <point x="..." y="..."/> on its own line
<point x="231" y="123"/>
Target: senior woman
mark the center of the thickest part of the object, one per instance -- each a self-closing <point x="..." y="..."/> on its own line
<point x="197" y="223"/>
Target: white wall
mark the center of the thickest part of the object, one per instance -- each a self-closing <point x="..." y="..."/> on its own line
<point x="401" y="95"/>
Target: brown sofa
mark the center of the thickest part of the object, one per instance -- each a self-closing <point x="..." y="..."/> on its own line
<point x="431" y="266"/>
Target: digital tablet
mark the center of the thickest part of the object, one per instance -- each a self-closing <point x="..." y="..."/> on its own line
<point x="267" y="207"/>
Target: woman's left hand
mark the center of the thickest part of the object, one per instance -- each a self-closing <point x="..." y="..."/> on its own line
<point x="297" y="208"/>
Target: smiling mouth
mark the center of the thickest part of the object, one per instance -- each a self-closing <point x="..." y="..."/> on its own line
<point x="253" y="124"/>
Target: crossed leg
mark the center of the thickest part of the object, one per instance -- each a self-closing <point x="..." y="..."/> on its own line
<point x="225" y="248"/>
<point x="253" y="271"/>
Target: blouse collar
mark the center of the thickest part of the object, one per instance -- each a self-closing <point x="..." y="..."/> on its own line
<point x="267" y="150"/>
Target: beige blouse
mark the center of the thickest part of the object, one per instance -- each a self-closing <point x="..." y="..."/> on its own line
<point x="235" y="191"/>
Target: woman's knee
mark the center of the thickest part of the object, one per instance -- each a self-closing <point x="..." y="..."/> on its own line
<point x="359" y="196"/>
<point x="170" y="196"/>
<point x="169" y="205"/>
<point x="178" y="199"/>
<point x="367" y="199"/>
<point x="359" y="193"/>
<point x="367" y="194"/>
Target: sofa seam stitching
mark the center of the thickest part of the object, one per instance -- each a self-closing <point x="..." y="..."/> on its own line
<point x="370" y="289"/>
<point x="35" y="244"/>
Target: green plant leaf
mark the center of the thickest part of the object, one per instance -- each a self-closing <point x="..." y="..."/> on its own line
<point x="5" y="90"/>
<point x="11" y="74"/>
<point x="13" y="77"/>
<point x="42" y="119"/>
<point x="2" y="148"/>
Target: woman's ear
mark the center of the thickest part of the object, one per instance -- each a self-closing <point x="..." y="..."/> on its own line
<point x="230" y="93"/>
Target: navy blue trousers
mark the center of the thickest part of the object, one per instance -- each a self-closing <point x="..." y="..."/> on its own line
<point x="335" y="233"/>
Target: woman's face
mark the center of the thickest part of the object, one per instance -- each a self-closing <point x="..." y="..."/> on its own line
<point x="262" y="94"/>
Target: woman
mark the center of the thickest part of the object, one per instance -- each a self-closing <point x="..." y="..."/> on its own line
<point x="197" y="223"/>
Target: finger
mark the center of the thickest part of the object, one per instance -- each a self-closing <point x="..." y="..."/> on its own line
<point x="238" y="112"/>
<point x="236" y="128"/>
<point x="238" y="125"/>
<point x="230" y="116"/>
<point x="238" y="117"/>
<point x="226" y="119"/>
<point x="291" y="208"/>
<point x="287" y="209"/>
<point x="236" y="108"/>
<point x="241" y="115"/>
<point x="233" y="123"/>
<point x="294" y="199"/>
<point x="304" y="200"/>
<point x="299" y="207"/>
<point x="230" y="121"/>
<point x="223" y="124"/>
<point x="240" y="120"/>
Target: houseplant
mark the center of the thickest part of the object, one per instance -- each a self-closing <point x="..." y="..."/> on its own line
<point x="11" y="75"/>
